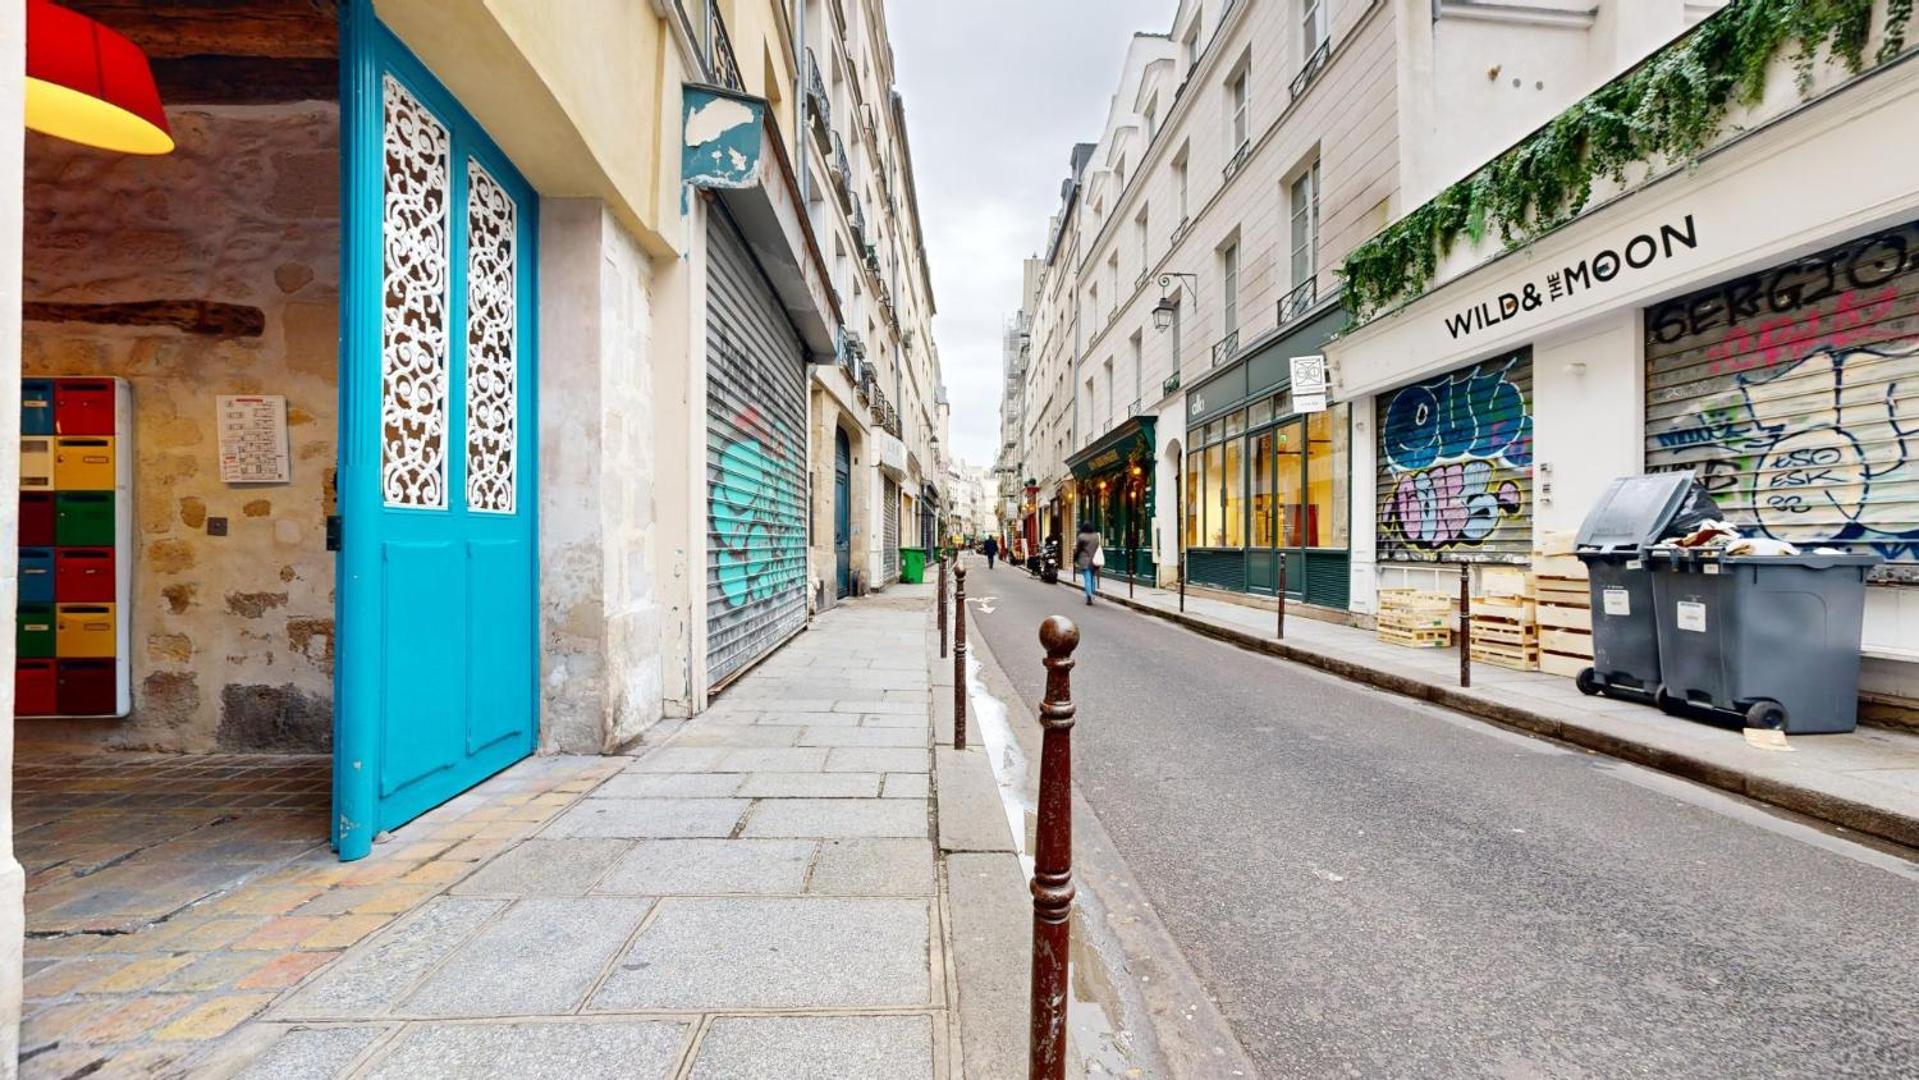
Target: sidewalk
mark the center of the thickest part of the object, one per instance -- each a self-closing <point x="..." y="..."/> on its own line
<point x="755" y="897"/>
<point x="1867" y="781"/>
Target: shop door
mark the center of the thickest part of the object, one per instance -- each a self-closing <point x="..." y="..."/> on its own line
<point x="891" y="556"/>
<point x="436" y="684"/>
<point x="842" y="513"/>
<point x="755" y="460"/>
<point x="1791" y="394"/>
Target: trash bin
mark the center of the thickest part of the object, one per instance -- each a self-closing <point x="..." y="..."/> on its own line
<point x="912" y="565"/>
<point x="1613" y="540"/>
<point x="1770" y="638"/>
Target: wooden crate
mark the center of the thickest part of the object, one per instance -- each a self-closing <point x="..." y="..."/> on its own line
<point x="1562" y="665"/>
<point x="1560" y="617"/>
<point x="1415" y="600"/>
<point x="1516" y="657"/>
<point x="1564" y="592"/>
<point x="1423" y="638"/>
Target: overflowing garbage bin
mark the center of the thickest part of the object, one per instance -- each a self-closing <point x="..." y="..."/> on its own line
<point x="1632" y="515"/>
<point x="1773" y="639"/>
<point x="912" y="565"/>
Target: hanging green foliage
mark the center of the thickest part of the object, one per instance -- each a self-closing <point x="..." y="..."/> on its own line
<point x="1668" y="109"/>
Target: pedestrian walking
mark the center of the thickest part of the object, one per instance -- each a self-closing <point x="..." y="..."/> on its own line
<point x="1088" y="558"/>
<point x="991" y="548"/>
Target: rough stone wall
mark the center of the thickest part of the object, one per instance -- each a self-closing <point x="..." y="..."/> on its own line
<point x="232" y="636"/>
<point x="601" y="618"/>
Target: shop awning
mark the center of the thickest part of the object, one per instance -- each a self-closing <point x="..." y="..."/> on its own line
<point x="1131" y="441"/>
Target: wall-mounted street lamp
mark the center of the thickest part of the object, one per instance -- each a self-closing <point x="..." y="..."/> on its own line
<point x="1164" y="311"/>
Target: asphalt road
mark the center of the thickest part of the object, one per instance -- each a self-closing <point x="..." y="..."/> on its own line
<point x="1375" y="887"/>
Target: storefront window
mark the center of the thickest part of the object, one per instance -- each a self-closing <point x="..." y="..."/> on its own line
<point x="1259" y="413"/>
<point x="1236" y="422"/>
<point x="1215" y="531"/>
<point x="1195" y="506"/>
<point x="1233" y="495"/>
<point x="1262" y="497"/>
<point x="1289" y="477"/>
<point x="1326" y="478"/>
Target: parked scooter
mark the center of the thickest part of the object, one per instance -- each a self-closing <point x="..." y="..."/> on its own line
<point x="1049" y="562"/>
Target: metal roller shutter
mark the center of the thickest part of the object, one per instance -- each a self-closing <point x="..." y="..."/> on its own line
<point x="755" y="461"/>
<point x="1792" y="394"/>
<point x="892" y="515"/>
<point x="1456" y="465"/>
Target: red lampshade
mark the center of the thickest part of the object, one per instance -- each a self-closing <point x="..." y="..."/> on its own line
<point x="90" y="85"/>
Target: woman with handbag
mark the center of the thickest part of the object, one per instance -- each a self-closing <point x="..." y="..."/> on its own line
<point x="1088" y="558"/>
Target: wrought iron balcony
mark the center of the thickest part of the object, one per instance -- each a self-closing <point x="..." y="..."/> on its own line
<point x="1171" y="384"/>
<point x="725" y="68"/>
<point x="1238" y="160"/>
<point x="1299" y="301"/>
<point x="817" y="102"/>
<point x="1225" y="348"/>
<point x="1311" y="69"/>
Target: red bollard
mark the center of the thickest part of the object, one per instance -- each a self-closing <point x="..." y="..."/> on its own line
<point x="959" y="658"/>
<point x="1053" y="857"/>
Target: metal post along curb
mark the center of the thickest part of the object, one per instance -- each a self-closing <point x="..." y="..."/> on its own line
<point x="941" y="618"/>
<point x="1279" y="630"/>
<point x="959" y="658"/>
<point x="1053" y="855"/>
<point x="1465" y="624"/>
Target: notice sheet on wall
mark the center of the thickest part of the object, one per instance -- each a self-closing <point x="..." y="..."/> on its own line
<point x="253" y="440"/>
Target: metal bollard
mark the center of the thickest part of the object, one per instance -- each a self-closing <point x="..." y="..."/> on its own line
<point x="1279" y="630"/>
<point x="959" y="658"/>
<point x="1053" y="857"/>
<point x="942" y="605"/>
<point x="1465" y="624"/>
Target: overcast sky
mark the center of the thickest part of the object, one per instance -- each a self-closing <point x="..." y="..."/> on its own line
<point x="997" y="92"/>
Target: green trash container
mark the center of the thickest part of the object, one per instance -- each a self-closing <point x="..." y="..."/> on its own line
<point x="912" y="565"/>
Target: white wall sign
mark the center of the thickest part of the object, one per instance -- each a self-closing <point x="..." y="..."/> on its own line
<point x="1309" y="383"/>
<point x="253" y="440"/>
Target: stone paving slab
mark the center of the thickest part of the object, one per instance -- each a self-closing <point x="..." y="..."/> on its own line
<point x="635" y="818"/>
<point x="880" y="867"/>
<point x="540" y="958"/>
<point x="711" y="867"/>
<point x="816" y="1048"/>
<point x="837" y="817"/>
<point x="818" y="785"/>
<point x="369" y="980"/>
<point x="786" y="953"/>
<point x="668" y="786"/>
<point x="311" y="1053"/>
<point x="551" y="1050"/>
<point x="876" y="759"/>
<point x="895" y="738"/>
<point x="545" y="868"/>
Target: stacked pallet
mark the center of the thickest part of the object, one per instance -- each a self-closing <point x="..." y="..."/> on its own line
<point x="1416" y="618"/>
<point x="1504" y="632"/>
<point x="1565" y="609"/>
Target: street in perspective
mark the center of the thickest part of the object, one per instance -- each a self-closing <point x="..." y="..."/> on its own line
<point x="837" y="539"/>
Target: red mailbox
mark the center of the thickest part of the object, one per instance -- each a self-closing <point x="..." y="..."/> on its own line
<point x="34" y="688"/>
<point x="83" y="407"/>
<point x="83" y="575"/>
<point x="36" y="519"/>
<point x="87" y="688"/>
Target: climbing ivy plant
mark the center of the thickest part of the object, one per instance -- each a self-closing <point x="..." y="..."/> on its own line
<point x="1668" y="109"/>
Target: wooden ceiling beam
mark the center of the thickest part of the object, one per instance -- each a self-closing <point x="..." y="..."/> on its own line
<point x="175" y="29"/>
<point x="245" y="80"/>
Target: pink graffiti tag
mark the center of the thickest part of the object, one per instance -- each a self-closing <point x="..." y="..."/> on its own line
<point x="1452" y="504"/>
<point x="1850" y="323"/>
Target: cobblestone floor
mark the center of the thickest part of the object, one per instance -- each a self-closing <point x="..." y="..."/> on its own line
<point x="170" y="898"/>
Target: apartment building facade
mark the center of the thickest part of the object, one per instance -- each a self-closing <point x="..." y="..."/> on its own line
<point x="1247" y="152"/>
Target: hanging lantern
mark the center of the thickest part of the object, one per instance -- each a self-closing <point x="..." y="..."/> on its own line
<point x="90" y="85"/>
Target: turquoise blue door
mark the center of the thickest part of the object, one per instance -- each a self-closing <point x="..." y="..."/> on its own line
<point x="436" y="681"/>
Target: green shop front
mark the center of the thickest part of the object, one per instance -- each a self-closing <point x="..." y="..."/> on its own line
<point x="1114" y="486"/>
<point x="1264" y="480"/>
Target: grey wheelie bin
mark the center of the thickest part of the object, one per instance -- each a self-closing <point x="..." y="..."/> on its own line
<point x="1771" y="639"/>
<point x="1613" y="540"/>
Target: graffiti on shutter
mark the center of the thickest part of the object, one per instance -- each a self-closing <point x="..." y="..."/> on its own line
<point x="755" y="462"/>
<point x="1456" y="465"/>
<point x="1793" y="394"/>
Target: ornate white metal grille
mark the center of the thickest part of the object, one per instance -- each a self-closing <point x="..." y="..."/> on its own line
<point x="413" y="332"/>
<point x="492" y="344"/>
